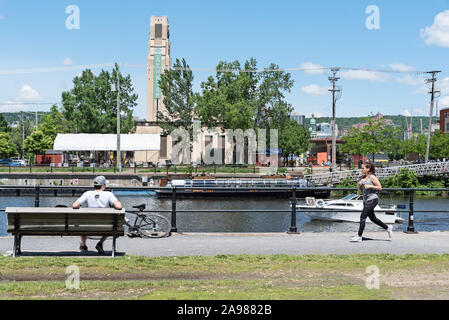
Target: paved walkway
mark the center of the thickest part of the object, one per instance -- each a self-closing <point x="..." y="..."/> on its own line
<point x="210" y="244"/>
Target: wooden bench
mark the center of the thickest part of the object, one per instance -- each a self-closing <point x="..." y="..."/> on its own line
<point x="25" y="221"/>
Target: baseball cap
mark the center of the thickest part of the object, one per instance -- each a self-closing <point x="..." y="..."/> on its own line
<point x="99" y="181"/>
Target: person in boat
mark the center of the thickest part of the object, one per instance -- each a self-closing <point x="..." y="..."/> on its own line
<point x="97" y="198"/>
<point x="370" y="186"/>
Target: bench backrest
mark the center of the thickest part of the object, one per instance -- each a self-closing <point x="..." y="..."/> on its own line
<point x="60" y="221"/>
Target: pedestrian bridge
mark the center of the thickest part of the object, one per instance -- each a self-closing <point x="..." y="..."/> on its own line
<point x="433" y="169"/>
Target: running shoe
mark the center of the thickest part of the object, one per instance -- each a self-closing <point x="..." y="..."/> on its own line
<point x="99" y="248"/>
<point x="356" y="239"/>
<point x="390" y="231"/>
<point x="83" y="248"/>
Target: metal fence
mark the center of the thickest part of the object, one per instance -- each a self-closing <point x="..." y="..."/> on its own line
<point x="293" y="190"/>
<point x="136" y="168"/>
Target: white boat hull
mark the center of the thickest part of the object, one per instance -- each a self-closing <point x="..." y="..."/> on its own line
<point x="348" y="216"/>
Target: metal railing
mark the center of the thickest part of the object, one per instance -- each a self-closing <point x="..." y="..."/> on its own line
<point x="293" y="211"/>
<point x="135" y="168"/>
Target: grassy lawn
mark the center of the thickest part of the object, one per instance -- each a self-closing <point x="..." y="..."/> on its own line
<point x="227" y="277"/>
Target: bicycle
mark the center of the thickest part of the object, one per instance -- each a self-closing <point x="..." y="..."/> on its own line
<point x="147" y="225"/>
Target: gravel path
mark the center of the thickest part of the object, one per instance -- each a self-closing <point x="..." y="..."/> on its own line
<point x="210" y="244"/>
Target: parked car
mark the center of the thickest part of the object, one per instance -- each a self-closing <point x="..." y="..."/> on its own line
<point x="5" y="161"/>
<point x="18" y="163"/>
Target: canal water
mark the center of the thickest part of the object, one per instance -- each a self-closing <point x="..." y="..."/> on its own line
<point x="251" y="222"/>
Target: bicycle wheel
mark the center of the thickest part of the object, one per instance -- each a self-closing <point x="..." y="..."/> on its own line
<point x="154" y="226"/>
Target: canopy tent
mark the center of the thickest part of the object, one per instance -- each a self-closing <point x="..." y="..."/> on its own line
<point x="106" y="142"/>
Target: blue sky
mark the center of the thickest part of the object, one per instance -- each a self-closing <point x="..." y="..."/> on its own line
<point x="413" y="35"/>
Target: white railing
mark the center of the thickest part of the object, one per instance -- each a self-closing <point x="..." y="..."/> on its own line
<point x="433" y="169"/>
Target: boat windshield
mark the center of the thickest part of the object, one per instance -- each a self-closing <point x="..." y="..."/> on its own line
<point x="350" y="197"/>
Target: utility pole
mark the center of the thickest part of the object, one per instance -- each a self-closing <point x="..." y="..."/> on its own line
<point x="36" y="120"/>
<point x="432" y="101"/>
<point x="335" y="97"/>
<point x="23" y="135"/>
<point x="119" y="156"/>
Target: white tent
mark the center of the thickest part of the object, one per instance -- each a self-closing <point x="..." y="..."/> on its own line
<point x="106" y="142"/>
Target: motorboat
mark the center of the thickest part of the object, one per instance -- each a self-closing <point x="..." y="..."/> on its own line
<point x="348" y="209"/>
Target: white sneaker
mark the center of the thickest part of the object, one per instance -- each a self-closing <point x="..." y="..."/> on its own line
<point x="356" y="239"/>
<point x="390" y="231"/>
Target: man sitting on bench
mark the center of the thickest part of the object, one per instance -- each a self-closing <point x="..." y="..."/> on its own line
<point x="97" y="198"/>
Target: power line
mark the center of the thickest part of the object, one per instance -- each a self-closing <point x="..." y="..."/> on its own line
<point x="321" y="70"/>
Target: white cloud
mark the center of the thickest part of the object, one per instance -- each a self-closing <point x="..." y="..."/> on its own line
<point x="443" y="85"/>
<point x="313" y="68"/>
<point x="438" y="32"/>
<point x="28" y="93"/>
<point x="316" y="115"/>
<point x="315" y="90"/>
<point x="2" y="17"/>
<point x="67" y="62"/>
<point x="418" y="112"/>
<point x="406" y="113"/>
<point x="365" y="75"/>
<point x="400" y="67"/>
<point x="410" y="80"/>
<point x="13" y="106"/>
<point x="443" y="102"/>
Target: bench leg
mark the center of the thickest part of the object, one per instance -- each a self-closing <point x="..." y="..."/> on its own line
<point x="16" y="246"/>
<point x="19" y="244"/>
<point x="113" y="246"/>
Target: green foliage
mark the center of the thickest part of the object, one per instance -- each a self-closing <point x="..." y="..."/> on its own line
<point x="38" y="143"/>
<point x="245" y="100"/>
<point x="404" y="179"/>
<point x="4" y="124"/>
<point x="282" y="170"/>
<point x="373" y="138"/>
<point x="7" y="147"/>
<point x="54" y="123"/>
<point x="293" y="138"/>
<point x="399" y="121"/>
<point x="91" y="106"/>
<point x="347" y="183"/>
<point x="17" y="135"/>
<point x="179" y="100"/>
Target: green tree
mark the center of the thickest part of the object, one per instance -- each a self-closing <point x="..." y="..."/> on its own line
<point x="293" y="139"/>
<point x="54" y="123"/>
<point x="91" y="107"/>
<point x="4" y="127"/>
<point x="7" y="147"/>
<point x="38" y="143"/>
<point x="19" y="133"/>
<point x="373" y="138"/>
<point x="245" y="100"/>
<point x="179" y="99"/>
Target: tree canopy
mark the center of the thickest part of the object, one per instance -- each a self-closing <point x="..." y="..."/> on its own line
<point x="37" y="142"/>
<point x="7" y="147"/>
<point x="90" y="107"/>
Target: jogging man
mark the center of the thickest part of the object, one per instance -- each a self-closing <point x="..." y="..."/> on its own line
<point x="97" y="198"/>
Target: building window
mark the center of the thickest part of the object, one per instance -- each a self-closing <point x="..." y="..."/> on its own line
<point x="163" y="151"/>
<point x="158" y="31"/>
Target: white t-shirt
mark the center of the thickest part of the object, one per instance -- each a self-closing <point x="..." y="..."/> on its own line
<point x="97" y="199"/>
